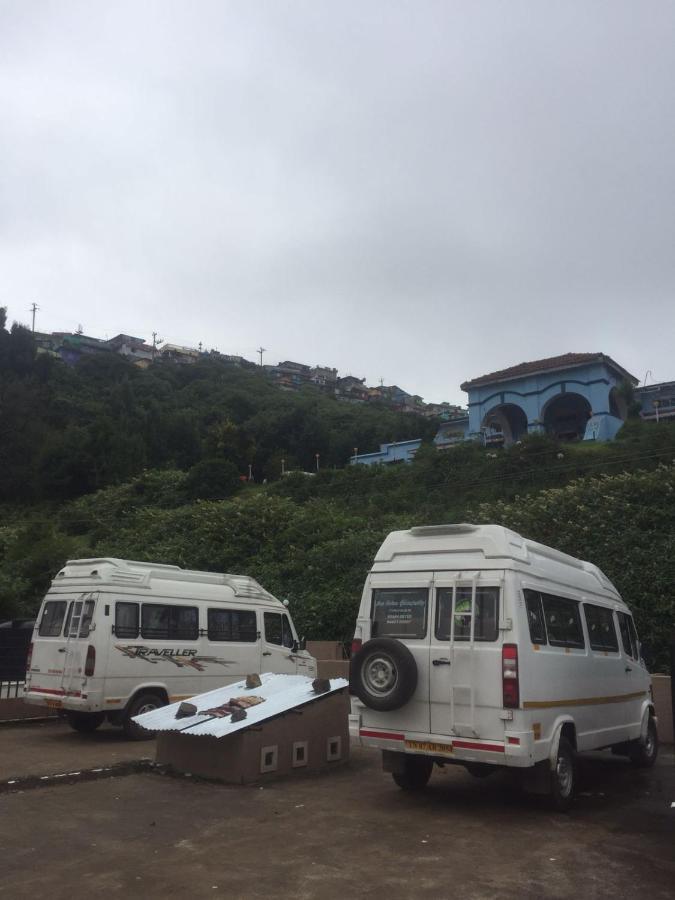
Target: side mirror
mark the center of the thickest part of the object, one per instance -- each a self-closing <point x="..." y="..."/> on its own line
<point x="302" y="644"/>
<point x="295" y="646"/>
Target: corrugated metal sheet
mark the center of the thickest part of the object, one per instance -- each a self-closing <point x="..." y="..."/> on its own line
<point x="281" y="693"/>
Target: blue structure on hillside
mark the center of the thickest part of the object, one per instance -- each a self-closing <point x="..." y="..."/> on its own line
<point x="571" y="397"/>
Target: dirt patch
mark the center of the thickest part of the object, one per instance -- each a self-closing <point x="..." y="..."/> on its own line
<point x="347" y="833"/>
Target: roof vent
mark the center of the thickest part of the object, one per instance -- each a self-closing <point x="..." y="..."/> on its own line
<point x="431" y="530"/>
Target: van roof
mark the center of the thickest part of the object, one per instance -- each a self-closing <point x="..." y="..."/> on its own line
<point x="131" y="574"/>
<point x="465" y="546"/>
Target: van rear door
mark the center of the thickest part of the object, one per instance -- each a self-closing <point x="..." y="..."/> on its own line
<point x="400" y="608"/>
<point x="77" y="626"/>
<point x="465" y="673"/>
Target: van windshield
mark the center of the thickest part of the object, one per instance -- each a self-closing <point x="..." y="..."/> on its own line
<point x="400" y="612"/>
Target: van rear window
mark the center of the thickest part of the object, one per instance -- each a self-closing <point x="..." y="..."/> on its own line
<point x="52" y="618"/>
<point x="400" y="612"/>
<point x="486" y="627"/>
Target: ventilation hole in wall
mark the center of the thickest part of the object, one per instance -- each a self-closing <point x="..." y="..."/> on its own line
<point x="300" y="754"/>
<point x="334" y="749"/>
<point x="269" y="757"/>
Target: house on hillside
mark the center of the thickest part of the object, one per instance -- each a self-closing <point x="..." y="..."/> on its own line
<point x="133" y="348"/>
<point x="289" y="375"/>
<point x="572" y="397"/>
<point x="182" y="355"/>
<point x="323" y="377"/>
<point x="72" y="347"/>
<point x="351" y="389"/>
<point x="657" y="401"/>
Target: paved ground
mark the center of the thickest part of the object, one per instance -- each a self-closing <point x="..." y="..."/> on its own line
<point x="348" y="834"/>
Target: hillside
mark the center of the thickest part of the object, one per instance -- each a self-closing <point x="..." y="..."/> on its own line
<point x="159" y="446"/>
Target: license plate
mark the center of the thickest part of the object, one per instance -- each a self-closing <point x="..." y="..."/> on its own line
<point x="428" y="746"/>
<point x="54" y="704"/>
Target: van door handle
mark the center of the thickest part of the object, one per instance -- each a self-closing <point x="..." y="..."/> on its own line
<point x="442" y="662"/>
<point x="62" y="649"/>
<point x="267" y="652"/>
<point x="628" y="669"/>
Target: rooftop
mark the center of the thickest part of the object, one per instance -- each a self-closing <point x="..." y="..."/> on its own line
<point x="566" y="361"/>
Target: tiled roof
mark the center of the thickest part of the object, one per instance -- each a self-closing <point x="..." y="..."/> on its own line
<point x="565" y="361"/>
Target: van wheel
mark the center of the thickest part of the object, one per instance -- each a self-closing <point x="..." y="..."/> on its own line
<point x="141" y="704"/>
<point x="383" y="674"/>
<point x="416" y="774"/>
<point x="563" y="777"/>
<point x="644" y="750"/>
<point x="85" y="723"/>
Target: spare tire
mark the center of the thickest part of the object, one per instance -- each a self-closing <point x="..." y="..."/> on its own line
<point x="383" y="674"/>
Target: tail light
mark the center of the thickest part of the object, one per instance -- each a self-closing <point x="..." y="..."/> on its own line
<point x="91" y="661"/>
<point x="510" y="685"/>
<point x="29" y="656"/>
<point x="357" y="643"/>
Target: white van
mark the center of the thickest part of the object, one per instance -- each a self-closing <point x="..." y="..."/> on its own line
<point x="116" y="638"/>
<point x="476" y="646"/>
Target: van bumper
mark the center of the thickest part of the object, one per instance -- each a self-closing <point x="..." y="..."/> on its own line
<point x="516" y="750"/>
<point x="58" y="699"/>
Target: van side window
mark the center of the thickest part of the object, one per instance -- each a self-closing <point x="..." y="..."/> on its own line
<point x="628" y="635"/>
<point x="177" y="623"/>
<point x="563" y="623"/>
<point x="52" y="618"/>
<point x="486" y="627"/>
<point x="278" y="630"/>
<point x="399" y="612"/>
<point x="126" y="620"/>
<point x="236" y="625"/>
<point x="535" y="617"/>
<point x="601" y="630"/>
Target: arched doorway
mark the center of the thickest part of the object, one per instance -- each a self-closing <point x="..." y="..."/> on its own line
<point x="503" y="425"/>
<point x="565" y="417"/>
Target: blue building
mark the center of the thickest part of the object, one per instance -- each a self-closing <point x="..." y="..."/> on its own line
<point x="571" y="397"/>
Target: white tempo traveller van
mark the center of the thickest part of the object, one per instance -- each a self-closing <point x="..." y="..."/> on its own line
<point x="476" y="646"/>
<point x="116" y="638"/>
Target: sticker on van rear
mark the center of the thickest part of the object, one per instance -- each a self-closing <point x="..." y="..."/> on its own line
<point x="182" y="658"/>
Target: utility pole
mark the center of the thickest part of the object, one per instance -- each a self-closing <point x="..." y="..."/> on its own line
<point x="34" y="308"/>
<point x="155" y="343"/>
<point x="260" y="352"/>
<point x="316" y="456"/>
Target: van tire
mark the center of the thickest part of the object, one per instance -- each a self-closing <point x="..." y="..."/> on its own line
<point x="141" y="703"/>
<point x="563" y="777"/>
<point x="644" y="750"/>
<point x="416" y="773"/>
<point x="383" y="674"/>
<point x="83" y="722"/>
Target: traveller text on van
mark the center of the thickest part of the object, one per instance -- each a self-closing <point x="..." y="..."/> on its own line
<point x="476" y="646"/>
<point x="116" y="638"/>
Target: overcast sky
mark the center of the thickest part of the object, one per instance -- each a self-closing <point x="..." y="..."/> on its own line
<point x="415" y="191"/>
